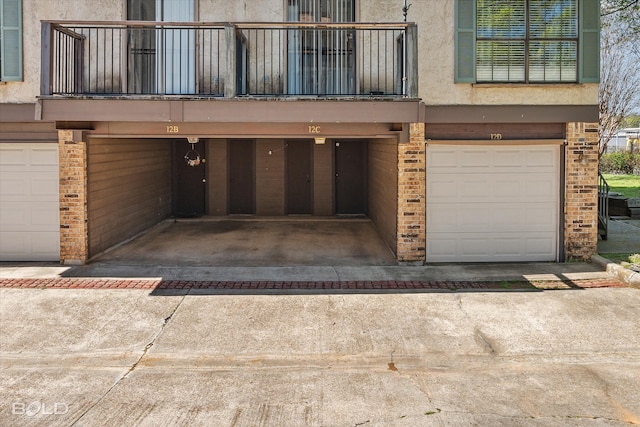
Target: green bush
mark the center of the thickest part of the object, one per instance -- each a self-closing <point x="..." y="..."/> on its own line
<point x="620" y="162"/>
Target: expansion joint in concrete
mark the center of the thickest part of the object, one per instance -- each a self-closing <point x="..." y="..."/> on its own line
<point x="136" y="363"/>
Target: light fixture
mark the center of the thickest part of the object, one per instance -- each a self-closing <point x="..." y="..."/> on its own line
<point x="193" y="139"/>
<point x="319" y="141"/>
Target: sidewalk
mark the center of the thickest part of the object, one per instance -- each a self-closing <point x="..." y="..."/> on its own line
<point x="623" y="238"/>
<point x="445" y="277"/>
<point x="72" y="357"/>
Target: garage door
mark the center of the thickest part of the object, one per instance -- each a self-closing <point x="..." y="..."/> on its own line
<point x="29" y="202"/>
<point x="497" y="203"/>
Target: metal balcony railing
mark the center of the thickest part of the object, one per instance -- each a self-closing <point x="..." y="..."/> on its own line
<point x="603" y="207"/>
<point x="135" y="58"/>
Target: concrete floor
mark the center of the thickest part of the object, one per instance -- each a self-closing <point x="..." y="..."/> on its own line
<point x="624" y="236"/>
<point x="255" y="243"/>
<point x="123" y="357"/>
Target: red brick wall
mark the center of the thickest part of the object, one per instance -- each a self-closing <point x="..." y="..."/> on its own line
<point x="73" y="198"/>
<point x="581" y="191"/>
<point x="411" y="197"/>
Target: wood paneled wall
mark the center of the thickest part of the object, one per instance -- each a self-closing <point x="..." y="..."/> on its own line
<point x="129" y="188"/>
<point x="217" y="164"/>
<point x="270" y="177"/>
<point x="383" y="188"/>
<point x="323" y="177"/>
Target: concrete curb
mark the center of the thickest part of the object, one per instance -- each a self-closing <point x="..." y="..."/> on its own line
<point x="617" y="271"/>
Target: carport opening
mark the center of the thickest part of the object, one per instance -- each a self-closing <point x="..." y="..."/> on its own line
<point x="145" y="193"/>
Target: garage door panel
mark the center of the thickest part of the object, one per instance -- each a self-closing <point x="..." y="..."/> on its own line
<point x="13" y="156"/>
<point x="540" y="187"/>
<point x="542" y="159"/>
<point x="14" y="216"/>
<point x="45" y="157"/>
<point x="442" y="158"/>
<point x="24" y="186"/>
<point x="487" y="217"/>
<point x="13" y="186"/>
<point x="29" y="217"/>
<point x="501" y="247"/>
<point x="471" y="188"/>
<point x="541" y="245"/>
<point x="40" y="247"/>
<point x="29" y="202"/>
<point x="477" y="159"/>
<point x="492" y="203"/>
<point x="45" y="186"/>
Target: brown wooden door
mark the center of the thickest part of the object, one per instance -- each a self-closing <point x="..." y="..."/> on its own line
<point x="241" y="177"/>
<point x="190" y="181"/>
<point x="351" y="174"/>
<point x="299" y="200"/>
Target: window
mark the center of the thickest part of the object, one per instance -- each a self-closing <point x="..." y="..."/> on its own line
<point x="321" y="62"/>
<point x="162" y="61"/>
<point x="527" y="41"/>
<point x="10" y="40"/>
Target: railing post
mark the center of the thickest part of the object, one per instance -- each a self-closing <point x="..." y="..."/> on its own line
<point x="411" y="70"/>
<point x="78" y="65"/>
<point x="230" y="78"/>
<point x="46" y="59"/>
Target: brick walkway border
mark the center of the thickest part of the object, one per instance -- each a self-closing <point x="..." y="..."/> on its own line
<point x="89" y="283"/>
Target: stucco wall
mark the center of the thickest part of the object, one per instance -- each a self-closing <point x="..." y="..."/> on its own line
<point x="435" y="19"/>
<point x="34" y="11"/>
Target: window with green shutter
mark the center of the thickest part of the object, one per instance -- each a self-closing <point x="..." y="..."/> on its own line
<point x="528" y="41"/>
<point x="10" y="40"/>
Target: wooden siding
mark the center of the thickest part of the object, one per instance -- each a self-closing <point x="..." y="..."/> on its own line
<point x="28" y="132"/>
<point x="504" y="131"/>
<point x="129" y="189"/>
<point x="218" y="177"/>
<point x="383" y="188"/>
<point x="270" y="177"/>
<point x="323" y="179"/>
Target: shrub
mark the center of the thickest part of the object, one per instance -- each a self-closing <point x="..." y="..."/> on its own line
<point x="620" y="162"/>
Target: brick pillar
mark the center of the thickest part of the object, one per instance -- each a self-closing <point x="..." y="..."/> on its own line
<point x="74" y="248"/>
<point x="581" y="191"/>
<point x="411" y="197"/>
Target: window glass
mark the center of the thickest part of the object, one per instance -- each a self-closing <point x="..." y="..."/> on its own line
<point x="526" y="41"/>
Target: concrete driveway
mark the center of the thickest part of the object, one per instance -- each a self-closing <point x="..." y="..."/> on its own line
<point x="258" y="242"/>
<point x="131" y="357"/>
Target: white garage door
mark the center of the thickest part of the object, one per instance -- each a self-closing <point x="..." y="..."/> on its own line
<point x="29" y="202"/>
<point x="497" y="203"/>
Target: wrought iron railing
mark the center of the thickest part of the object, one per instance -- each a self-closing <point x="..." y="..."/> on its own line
<point x="133" y="59"/>
<point x="232" y="59"/>
<point x="603" y="207"/>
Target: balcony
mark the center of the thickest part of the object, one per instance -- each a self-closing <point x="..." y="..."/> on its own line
<point x="141" y="59"/>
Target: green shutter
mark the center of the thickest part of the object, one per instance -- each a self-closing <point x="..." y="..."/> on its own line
<point x="589" y="53"/>
<point x="11" y="40"/>
<point x="465" y="43"/>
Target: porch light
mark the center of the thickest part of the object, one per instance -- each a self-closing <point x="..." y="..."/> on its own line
<point x="193" y="157"/>
<point x="319" y="141"/>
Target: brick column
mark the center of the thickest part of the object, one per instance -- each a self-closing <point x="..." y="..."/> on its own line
<point x="74" y="248"/>
<point x="581" y="191"/>
<point x="411" y="234"/>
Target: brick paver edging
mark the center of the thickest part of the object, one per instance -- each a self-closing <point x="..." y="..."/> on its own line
<point x="153" y="284"/>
